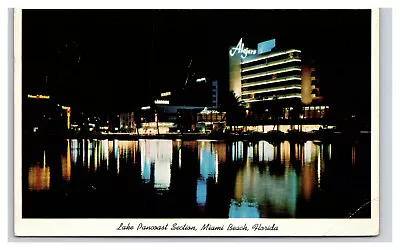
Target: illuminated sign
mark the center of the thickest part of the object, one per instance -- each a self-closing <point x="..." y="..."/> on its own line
<point x="240" y="49"/>
<point x="166" y="94"/>
<point x="39" y="96"/>
<point x="208" y="111"/>
<point x="266" y="46"/>
<point x="65" y="107"/>
<point x="160" y="124"/>
<point x="201" y="79"/>
<point x="145" y="108"/>
<point x="161" y="102"/>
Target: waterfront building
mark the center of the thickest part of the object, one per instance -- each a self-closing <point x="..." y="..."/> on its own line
<point x="127" y="121"/>
<point x="209" y="120"/>
<point x="269" y="74"/>
<point x="276" y="86"/>
<point x="178" y="111"/>
<point x="167" y="118"/>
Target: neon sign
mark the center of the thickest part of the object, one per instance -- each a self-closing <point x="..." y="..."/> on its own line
<point x="240" y="49"/>
<point x="39" y="96"/>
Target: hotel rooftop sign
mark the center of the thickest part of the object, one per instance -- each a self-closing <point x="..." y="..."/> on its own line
<point x="240" y="49"/>
<point x="263" y="47"/>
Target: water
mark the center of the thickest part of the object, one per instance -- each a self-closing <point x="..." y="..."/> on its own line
<point x="195" y="179"/>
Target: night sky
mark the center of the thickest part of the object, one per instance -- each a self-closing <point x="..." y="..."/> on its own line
<point x="102" y="61"/>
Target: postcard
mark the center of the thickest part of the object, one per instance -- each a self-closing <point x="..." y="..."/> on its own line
<point x="196" y="122"/>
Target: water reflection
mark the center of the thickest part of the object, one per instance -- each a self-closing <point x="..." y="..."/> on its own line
<point x="266" y="185"/>
<point x="200" y="178"/>
<point x="39" y="176"/>
<point x="89" y="146"/>
<point x="208" y="165"/>
<point x="156" y="159"/>
<point x="66" y="160"/>
<point x="353" y="155"/>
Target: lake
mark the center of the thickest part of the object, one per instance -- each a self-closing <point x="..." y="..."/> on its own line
<point x="152" y="178"/>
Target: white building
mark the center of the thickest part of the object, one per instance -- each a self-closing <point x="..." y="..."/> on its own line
<point x="262" y="75"/>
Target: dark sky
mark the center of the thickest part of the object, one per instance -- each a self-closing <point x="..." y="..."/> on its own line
<point x="113" y="60"/>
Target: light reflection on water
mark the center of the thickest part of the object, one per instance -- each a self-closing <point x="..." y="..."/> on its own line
<point x="39" y="175"/>
<point x="256" y="186"/>
<point x="156" y="159"/>
<point x="259" y="179"/>
<point x="66" y="161"/>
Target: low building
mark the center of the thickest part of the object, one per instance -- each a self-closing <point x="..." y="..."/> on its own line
<point x="210" y="120"/>
<point x="127" y="122"/>
<point x="168" y="118"/>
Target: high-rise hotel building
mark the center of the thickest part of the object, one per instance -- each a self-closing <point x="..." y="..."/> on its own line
<point x="261" y="75"/>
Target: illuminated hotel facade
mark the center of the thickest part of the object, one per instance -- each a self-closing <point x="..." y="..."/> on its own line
<point x="266" y="80"/>
<point x="258" y="76"/>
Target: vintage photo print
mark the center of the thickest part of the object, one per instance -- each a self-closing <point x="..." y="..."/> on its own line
<point x="192" y="122"/>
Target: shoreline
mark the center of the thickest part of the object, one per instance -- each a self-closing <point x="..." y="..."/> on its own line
<point x="295" y="137"/>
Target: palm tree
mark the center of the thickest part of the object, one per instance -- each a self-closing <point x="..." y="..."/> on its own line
<point x="274" y="111"/>
<point x="234" y="109"/>
<point x="296" y="112"/>
<point x="157" y="118"/>
<point x="138" y="121"/>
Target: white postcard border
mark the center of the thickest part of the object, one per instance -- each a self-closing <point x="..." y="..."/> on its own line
<point x="108" y="227"/>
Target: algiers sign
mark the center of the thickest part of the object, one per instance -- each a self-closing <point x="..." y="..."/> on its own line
<point x="240" y="49"/>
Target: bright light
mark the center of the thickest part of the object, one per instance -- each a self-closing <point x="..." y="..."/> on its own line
<point x="208" y="111"/>
<point x="282" y="79"/>
<point x="269" y="90"/>
<point x="201" y="79"/>
<point x="307" y="152"/>
<point x="145" y="108"/>
<point x="166" y="94"/>
<point x="156" y="159"/>
<point x="66" y="161"/>
<point x="271" y="98"/>
<point x="240" y="49"/>
<point x="38" y="178"/>
<point x="161" y="102"/>
<point x="39" y="96"/>
<point x="272" y="55"/>
<point x="266" y="65"/>
<point x="271" y="72"/>
<point x="160" y="124"/>
<point x="319" y="169"/>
